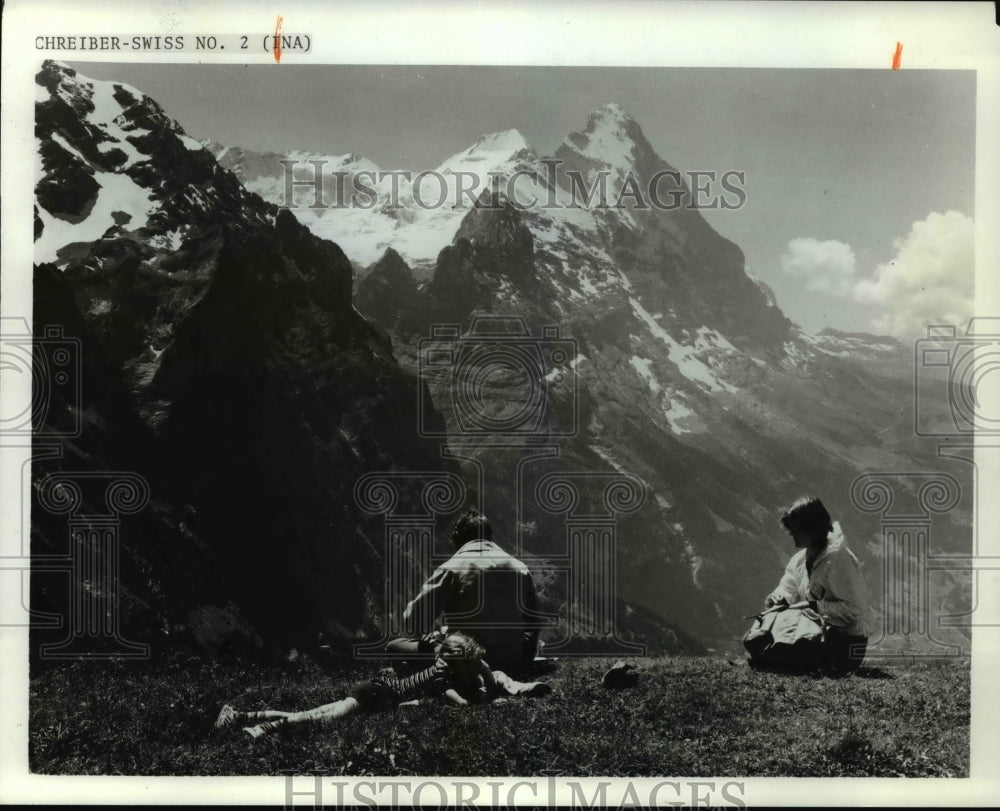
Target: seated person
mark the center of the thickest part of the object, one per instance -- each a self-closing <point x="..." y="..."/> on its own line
<point x="458" y="675"/>
<point x="481" y="591"/>
<point x="826" y="573"/>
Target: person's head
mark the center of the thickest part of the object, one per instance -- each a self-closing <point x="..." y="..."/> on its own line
<point x="472" y="526"/>
<point x="462" y="657"/>
<point x="808" y="522"/>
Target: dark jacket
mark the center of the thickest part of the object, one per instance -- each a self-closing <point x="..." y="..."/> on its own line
<point x="484" y="592"/>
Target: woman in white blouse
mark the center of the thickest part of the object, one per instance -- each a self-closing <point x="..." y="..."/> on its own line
<point x="826" y="573"/>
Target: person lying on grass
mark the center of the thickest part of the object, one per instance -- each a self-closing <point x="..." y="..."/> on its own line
<point x="459" y="675"/>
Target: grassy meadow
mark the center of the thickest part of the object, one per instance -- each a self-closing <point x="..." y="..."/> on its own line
<point x="686" y="717"/>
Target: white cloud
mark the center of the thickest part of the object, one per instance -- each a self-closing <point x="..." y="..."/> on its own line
<point x="930" y="280"/>
<point x="825" y="266"/>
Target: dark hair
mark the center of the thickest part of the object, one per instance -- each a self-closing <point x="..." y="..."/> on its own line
<point x="472" y="526"/>
<point x="809" y="515"/>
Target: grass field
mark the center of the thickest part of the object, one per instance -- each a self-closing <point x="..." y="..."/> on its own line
<point x="687" y="717"/>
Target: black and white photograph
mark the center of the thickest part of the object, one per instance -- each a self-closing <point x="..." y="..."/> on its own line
<point x="619" y="426"/>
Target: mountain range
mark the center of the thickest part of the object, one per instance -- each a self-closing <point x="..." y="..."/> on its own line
<point x="255" y="362"/>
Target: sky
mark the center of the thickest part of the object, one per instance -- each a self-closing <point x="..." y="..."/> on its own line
<point x="860" y="183"/>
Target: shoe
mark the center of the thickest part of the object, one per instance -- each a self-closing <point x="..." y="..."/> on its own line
<point x="264" y="729"/>
<point x="619" y="676"/>
<point x="227" y="716"/>
<point x="538" y="689"/>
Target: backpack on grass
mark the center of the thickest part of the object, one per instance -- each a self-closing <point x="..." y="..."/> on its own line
<point x="785" y="638"/>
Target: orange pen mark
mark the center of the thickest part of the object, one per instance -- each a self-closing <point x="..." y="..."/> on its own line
<point x="896" y="57"/>
<point x="277" y="39"/>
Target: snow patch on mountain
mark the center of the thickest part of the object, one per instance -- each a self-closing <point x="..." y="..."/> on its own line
<point x="119" y="193"/>
<point x="121" y="149"/>
<point x="641" y="365"/>
<point x="65" y="145"/>
<point x="620" y="468"/>
<point x="489" y="151"/>
<point x="707" y="338"/>
<point x="685" y="358"/>
<point x="556" y="374"/>
<point x="673" y="409"/>
<point x="847" y="345"/>
<point x="107" y="116"/>
<point x="695" y="562"/>
<point x="569" y="236"/>
<point x="664" y="504"/>
<point x="429" y="206"/>
<point x="192" y="144"/>
<point x="805" y="346"/>
<point x="605" y="141"/>
<point x="167" y="241"/>
<point x="794" y="354"/>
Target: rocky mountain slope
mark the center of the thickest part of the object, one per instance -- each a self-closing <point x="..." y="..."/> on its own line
<point x="683" y="371"/>
<point x="579" y="342"/>
<point x="224" y="362"/>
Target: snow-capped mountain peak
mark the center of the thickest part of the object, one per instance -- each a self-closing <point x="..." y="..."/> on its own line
<point x="119" y="112"/>
<point x="610" y="139"/>
<point x="111" y="162"/>
<point x="490" y="153"/>
<point x="610" y="113"/>
<point x="667" y="361"/>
